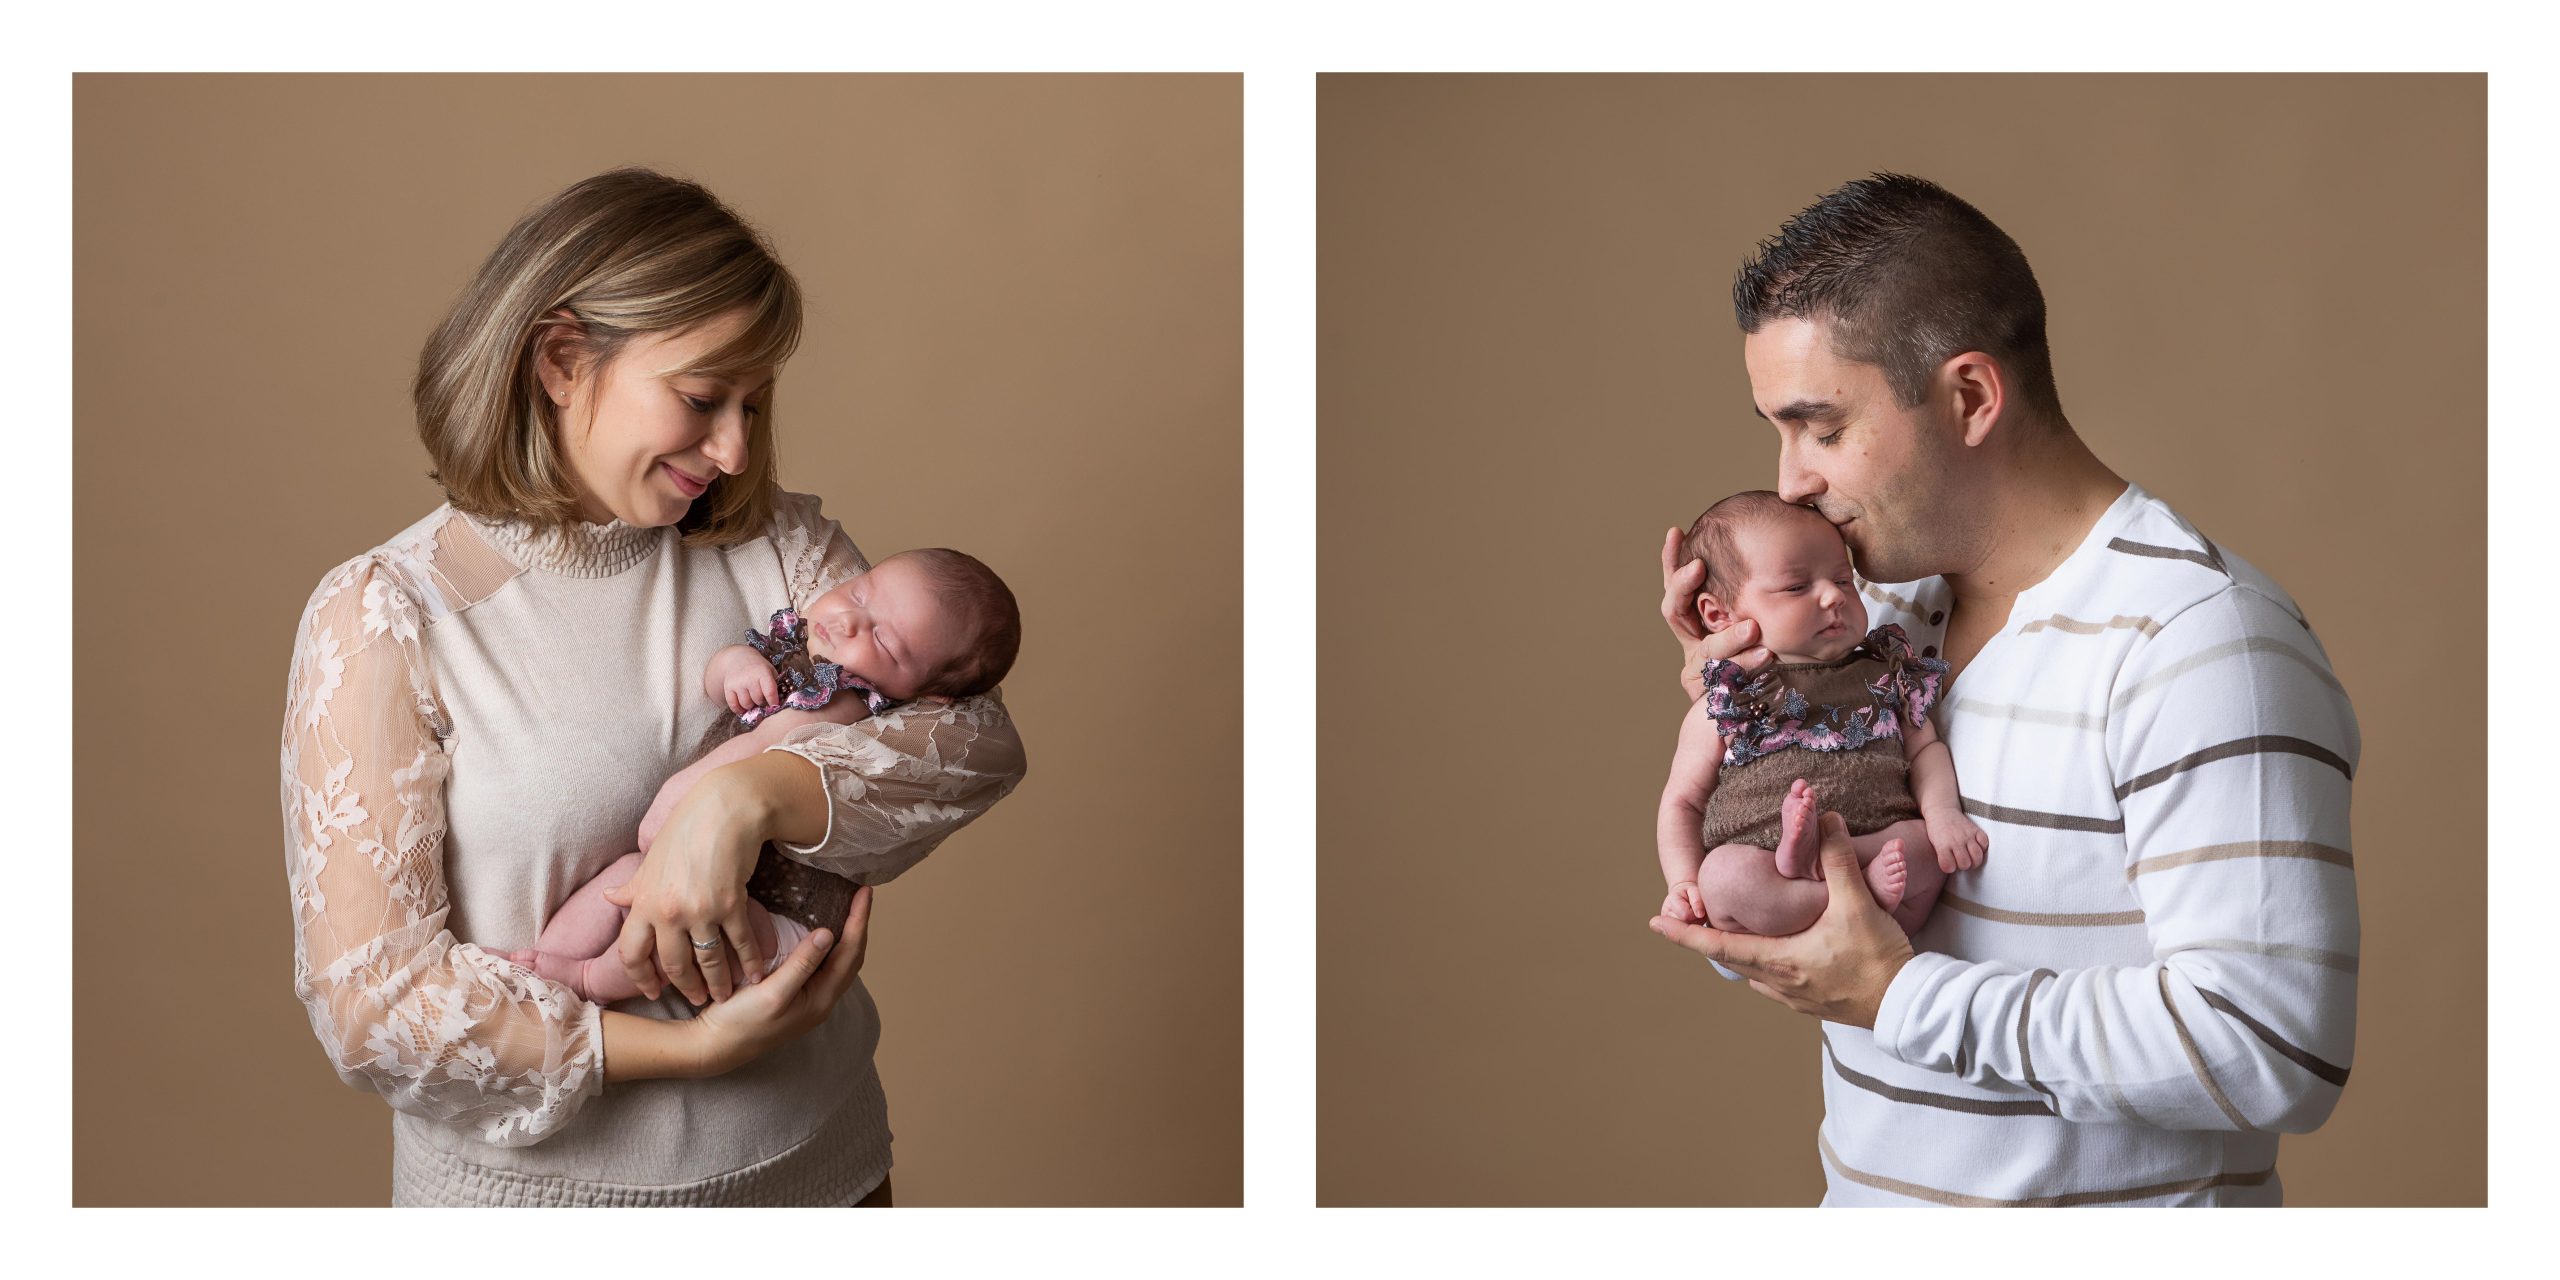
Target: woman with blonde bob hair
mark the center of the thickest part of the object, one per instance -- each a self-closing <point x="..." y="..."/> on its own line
<point x="482" y="707"/>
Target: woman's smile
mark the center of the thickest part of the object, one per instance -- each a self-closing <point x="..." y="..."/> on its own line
<point x="689" y="486"/>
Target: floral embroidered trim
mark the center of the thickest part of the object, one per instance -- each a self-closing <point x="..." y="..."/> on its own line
<point x="807" y="685"/>
<point x="1757" y="715"/>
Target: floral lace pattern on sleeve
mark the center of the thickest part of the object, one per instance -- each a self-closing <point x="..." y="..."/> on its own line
<point x="438" y="1027"/>
<point x="897" y="784"/>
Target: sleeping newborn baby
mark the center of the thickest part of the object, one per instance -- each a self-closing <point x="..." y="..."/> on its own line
<point x="1839" y="721"/>
<point x="927" y="625"/>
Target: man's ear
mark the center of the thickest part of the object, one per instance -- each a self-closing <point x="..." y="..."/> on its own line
<point x="1711" y="613"/>
<point x="1981" y="392"/>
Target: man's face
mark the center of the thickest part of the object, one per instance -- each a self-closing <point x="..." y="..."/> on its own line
<point x="1883" y="473"/>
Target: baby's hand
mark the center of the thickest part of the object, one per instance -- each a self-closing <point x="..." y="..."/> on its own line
<point x="1961" y="845"/>
<point x="750" y="687"/>
<point x="1685" y="904"/>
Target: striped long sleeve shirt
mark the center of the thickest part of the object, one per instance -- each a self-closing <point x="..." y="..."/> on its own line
<point x="2154" y="973"/>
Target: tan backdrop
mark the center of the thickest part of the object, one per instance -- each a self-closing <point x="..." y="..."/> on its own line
<point x="2267" y="307"/>
<point x="1024" y="339"/>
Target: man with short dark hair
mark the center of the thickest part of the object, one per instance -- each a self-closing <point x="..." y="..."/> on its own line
<point x="2153" y="974"/>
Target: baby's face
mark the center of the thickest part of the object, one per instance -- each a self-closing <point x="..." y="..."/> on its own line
<point x="1798" y="588"/>
<point x="887" y="626"/>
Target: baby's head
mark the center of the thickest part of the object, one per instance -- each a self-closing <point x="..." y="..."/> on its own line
<point x="933" y="623"/>
<point x="1782" y="566"/>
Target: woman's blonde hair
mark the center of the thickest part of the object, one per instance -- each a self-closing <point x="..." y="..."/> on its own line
<point x="624" y="254"/>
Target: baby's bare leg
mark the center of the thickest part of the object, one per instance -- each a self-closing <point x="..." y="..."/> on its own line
<point x="1920" y="874"/>
<point x="587" y="924"/>
<point x="1746" y="894"/>
<point x="1799" y="850"/>
<point x="577" y="944"/>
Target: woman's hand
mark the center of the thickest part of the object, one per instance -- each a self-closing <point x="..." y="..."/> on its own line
<point x="792" y="1000"/>
<point x="663" y="806"/>
<point x="693" y="888"/>
<point x="1738" y="644"/>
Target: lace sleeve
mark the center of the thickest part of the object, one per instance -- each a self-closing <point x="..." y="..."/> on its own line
<point x="815" y="552"/>
<point x="438" y="1027"/>
<point x="898" y="784"/>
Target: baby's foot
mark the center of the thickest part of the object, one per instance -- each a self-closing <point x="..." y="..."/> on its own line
<point x="1799" y="836"/>
<point x="1888" y="874"/>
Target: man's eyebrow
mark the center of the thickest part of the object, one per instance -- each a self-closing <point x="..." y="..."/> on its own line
<point x="1801" y="411"/>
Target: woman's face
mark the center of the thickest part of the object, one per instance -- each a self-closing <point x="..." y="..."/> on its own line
<point x="641" y="445"/>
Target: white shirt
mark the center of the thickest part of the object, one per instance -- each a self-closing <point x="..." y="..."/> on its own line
<point x="2154" y="972"/>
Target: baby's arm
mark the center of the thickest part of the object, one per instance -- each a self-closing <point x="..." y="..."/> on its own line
<point x="1684" y="808"/>
<point x="1961" y="845"/>
<point x="739" y="678"/>
<point x="843" y="709"/>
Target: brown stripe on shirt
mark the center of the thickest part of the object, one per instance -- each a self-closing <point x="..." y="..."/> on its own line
<point x="2075" y="626"/>
<point x="2264" y="744"/>
<point x="1942" y="1101"/>
<point x="2299" y="1056"/>
<point x="2034" y="818"/>
<point x="2208" y="557"/>
<point x="2242" y="849"/>
<point x="1898" y="1186"/>
<point x="2195" y="1058"/>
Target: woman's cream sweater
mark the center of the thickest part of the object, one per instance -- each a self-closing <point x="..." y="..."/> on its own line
<point x="479" y="715"/>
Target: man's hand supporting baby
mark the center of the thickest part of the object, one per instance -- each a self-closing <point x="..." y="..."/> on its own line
<point x="1838" y="969"/>
<point x="1738" y="644"/>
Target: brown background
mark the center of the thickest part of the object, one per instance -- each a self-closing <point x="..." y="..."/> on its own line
<point x="1024" y="339"/>
<point x="2267" y="307"/>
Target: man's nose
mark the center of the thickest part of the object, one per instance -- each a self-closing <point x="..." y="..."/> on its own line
<point x="1795" y="484"/>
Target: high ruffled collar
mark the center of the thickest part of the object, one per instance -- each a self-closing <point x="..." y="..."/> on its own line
<point x="573" y="550"/>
